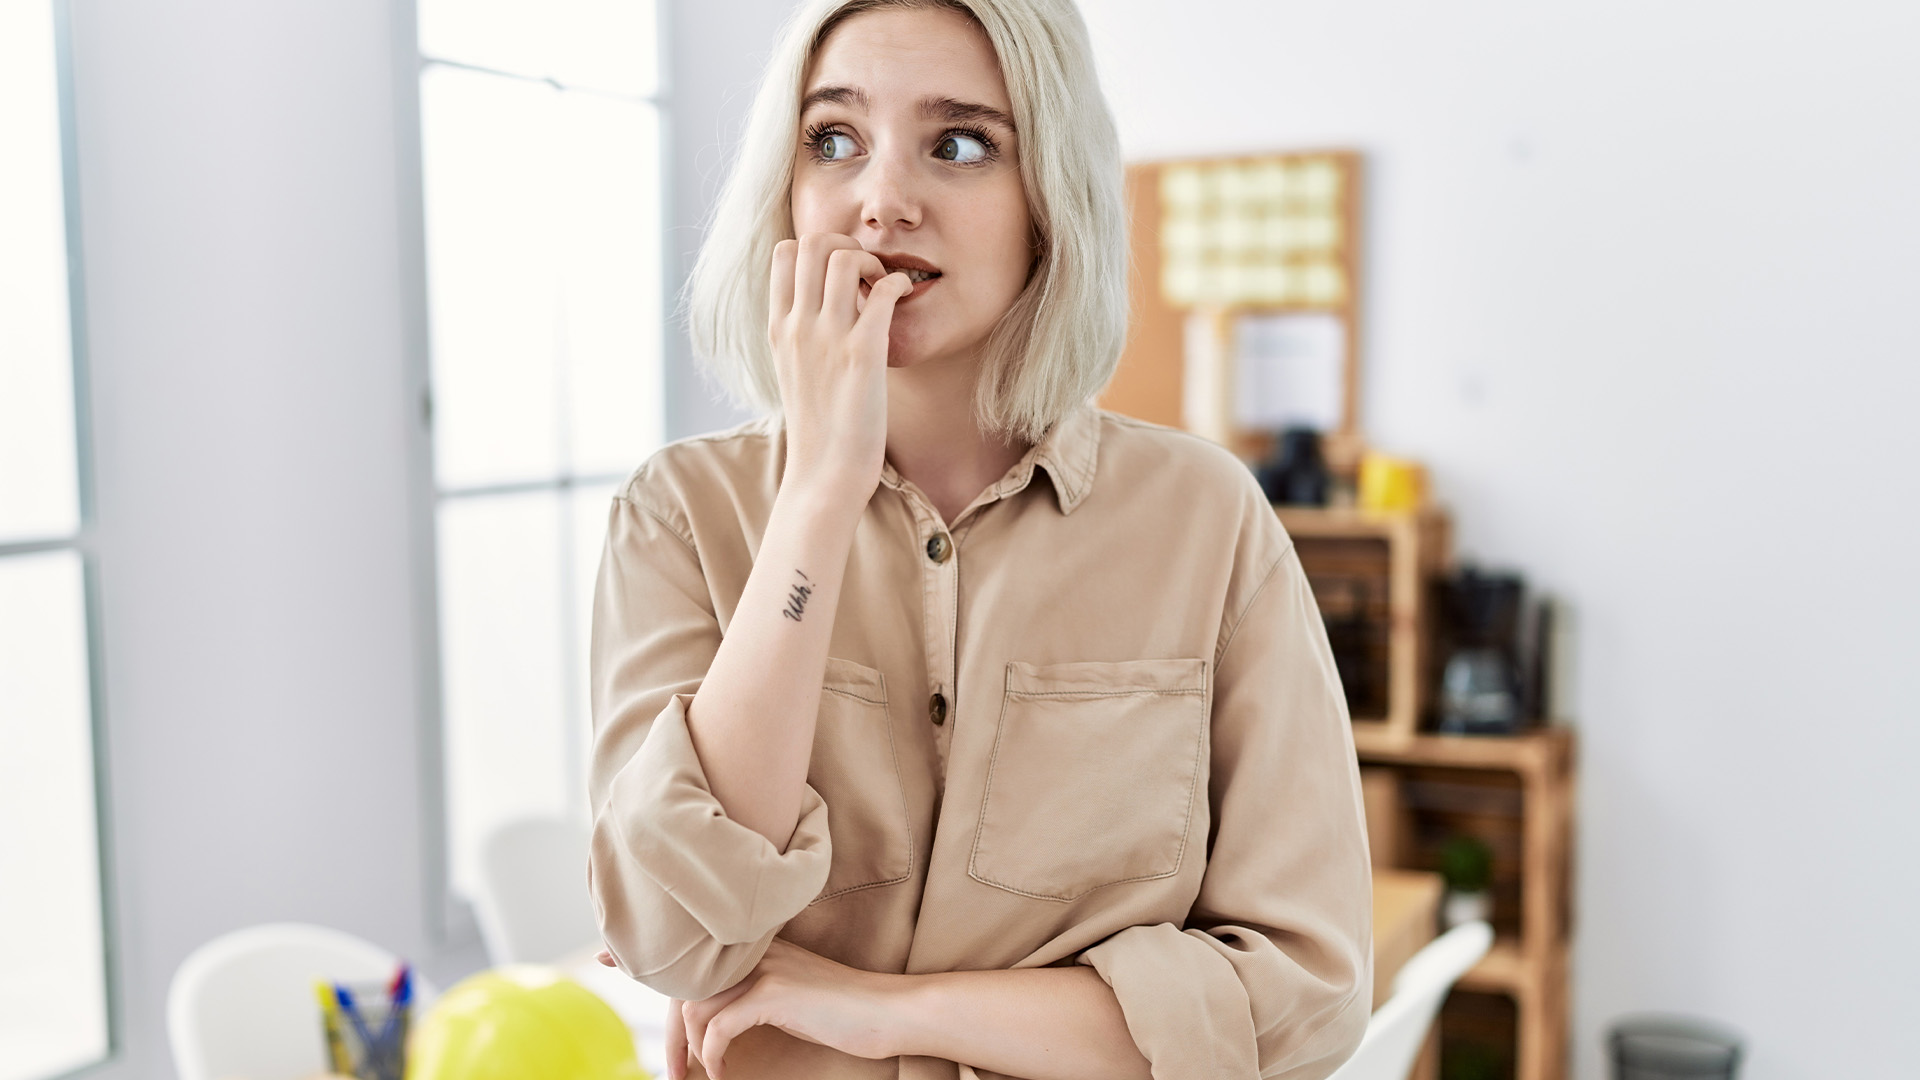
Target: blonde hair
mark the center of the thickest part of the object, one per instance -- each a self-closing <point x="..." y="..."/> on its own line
<point x="1058" y="344"/>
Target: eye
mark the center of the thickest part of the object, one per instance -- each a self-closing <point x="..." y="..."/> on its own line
<point x="964" y="149"/>
<point x="836" y="147"/>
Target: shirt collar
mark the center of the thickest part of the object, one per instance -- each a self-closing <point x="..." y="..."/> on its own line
<point x="1069" y="452"/>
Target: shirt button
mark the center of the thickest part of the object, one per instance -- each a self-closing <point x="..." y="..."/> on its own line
<point x="939" y="547"/>
<point x="937" y="709"/>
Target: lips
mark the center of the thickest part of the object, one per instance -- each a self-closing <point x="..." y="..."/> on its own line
<point x="919" y="270"/>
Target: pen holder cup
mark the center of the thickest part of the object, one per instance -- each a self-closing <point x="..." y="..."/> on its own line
<point x="375" y="1048"/>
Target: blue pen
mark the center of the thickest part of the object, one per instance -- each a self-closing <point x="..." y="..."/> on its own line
<point x="354" y="1018"/>
<point x="401" y="995"/>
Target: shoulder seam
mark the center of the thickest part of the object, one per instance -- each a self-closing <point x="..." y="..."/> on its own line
<point x="1148" y="425"/>
<point x="656" y="515"/>
<point x="1266" y="579"/>
<point x="745" y="430"/>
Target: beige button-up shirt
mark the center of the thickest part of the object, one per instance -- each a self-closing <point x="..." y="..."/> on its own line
<point x="1094" y="719"/>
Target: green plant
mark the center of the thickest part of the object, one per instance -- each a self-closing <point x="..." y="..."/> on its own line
<point x="1466" y="863"/>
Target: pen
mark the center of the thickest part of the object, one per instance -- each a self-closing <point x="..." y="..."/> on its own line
<point x="400" y="994"/>
<point x="353" y="1017"/>
<point x="330" y="1023"/>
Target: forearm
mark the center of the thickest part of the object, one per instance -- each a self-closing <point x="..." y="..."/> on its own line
<point x="1035" y="1023"/>
<point x="752" y="719"/>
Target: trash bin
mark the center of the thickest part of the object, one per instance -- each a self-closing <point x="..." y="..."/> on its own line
<point x="1664" y="1047"/>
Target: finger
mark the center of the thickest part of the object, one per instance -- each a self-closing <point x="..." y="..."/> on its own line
<point x="700" y="1013"/>
<point x="877" y="317"/>
<point x="810" y="267"/>
<point x="846" y="269"/>
<point x="693" y="1028"/>
<point x="780" y="298"/>
<point x="725" y="1027"/>
<point x="676" y="1042"/>
<point x="605" y="957"/>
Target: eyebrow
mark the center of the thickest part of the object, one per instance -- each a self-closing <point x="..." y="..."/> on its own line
<point x="961" y="112"/>
<point x="950" y="110"/>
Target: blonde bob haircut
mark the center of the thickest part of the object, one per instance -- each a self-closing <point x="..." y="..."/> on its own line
<point x="1058" y="344"/>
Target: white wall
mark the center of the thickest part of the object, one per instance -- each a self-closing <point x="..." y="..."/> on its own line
<point x="715" y="52"/>
<point x="1643" y="287"/>
<point x="240" y="214"/>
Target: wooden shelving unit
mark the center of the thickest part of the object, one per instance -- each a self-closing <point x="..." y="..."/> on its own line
<point x="1531" y="966"/>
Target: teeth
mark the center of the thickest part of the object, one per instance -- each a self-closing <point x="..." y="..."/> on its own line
<point x="916" y="276"/>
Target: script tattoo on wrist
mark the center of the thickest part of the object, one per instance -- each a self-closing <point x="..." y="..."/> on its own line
<point x="797" y="599"/>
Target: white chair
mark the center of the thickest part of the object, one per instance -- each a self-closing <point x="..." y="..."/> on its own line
<point x="1397" y="1029"/>
<point x="243" y="1004"/>
<point x="532" y="903"/>
<point x="532" y="907"/>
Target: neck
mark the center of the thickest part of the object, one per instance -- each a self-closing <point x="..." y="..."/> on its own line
<point x="934" y="440"/>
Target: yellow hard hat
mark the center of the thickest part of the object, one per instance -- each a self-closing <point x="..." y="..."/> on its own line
<point x="522" y="1022"/>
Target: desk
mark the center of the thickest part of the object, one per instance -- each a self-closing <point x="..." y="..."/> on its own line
<point x="1406" y="913"/>
<point x="1406" y="910"/>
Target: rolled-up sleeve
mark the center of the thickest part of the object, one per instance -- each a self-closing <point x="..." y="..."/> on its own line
<point x="688" y="899"/>
<point x="1272" y="973"/>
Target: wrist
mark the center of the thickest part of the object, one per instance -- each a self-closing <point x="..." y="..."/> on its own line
<point x="906" y="1008"/>
<point x="825" y="493"/>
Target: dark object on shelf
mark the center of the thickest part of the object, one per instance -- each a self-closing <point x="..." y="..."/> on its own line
<point x="1355" y="611"/>
<point x="1655" y="1047"/>
<point x="1535" y="699"/>
<point x="1296" y="474"/>
<point x="1482" y="687"/>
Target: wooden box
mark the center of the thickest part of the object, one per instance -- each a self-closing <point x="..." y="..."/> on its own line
<point x="1370" y="574"/>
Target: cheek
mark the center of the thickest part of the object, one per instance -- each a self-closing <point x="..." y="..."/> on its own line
<point x="815" y="209"/>
<point x="1005" y="245"/>
<point x="804" y="213"/>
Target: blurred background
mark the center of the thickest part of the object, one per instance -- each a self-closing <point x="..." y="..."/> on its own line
<point x="327" y="326"/>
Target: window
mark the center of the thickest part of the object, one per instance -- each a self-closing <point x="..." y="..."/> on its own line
<point x="53" y="976"/>
<point x="539" y="155"/>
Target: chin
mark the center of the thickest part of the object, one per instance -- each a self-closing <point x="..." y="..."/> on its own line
<point x="905" y="349"/>
<point x="909" y="346"/>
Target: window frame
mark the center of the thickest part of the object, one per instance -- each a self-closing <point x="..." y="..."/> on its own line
<point x="450" y="919"/>
<point x="84" y="543"/>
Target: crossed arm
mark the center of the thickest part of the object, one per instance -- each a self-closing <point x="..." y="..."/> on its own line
<point x="1039" y="1023"/>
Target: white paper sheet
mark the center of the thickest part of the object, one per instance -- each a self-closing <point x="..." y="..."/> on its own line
<point x="1289" y="370"/>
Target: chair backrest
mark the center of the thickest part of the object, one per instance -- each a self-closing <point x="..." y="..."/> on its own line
<point x="243" y="1004"/>
<point x="532" y="904"/>
<point x="1399" y="1026"/>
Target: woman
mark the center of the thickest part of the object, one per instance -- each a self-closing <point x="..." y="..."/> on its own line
<point x="946" y="725"/>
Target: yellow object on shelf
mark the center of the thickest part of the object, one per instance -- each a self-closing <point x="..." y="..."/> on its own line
<point x="522" y="1022"/>
<point x="1388" y="483"/>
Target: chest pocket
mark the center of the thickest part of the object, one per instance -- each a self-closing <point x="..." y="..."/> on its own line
<point x="857" y="773"/>
<point x="1093" y="777"/>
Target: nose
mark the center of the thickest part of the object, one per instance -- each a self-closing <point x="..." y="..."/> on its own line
<point x="889" y="197"/>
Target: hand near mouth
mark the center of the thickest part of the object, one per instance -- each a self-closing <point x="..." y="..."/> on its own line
<point x="829" y="313"/>
<point x="919" y="271"/>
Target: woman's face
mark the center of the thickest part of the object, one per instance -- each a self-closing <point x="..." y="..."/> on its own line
<point x="907" y="145"/>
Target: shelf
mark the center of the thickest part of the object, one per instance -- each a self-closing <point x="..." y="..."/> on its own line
<point x="1502" y="971"/>
<point x="1541" y="751"/>
<point x="1349" y="521"/>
